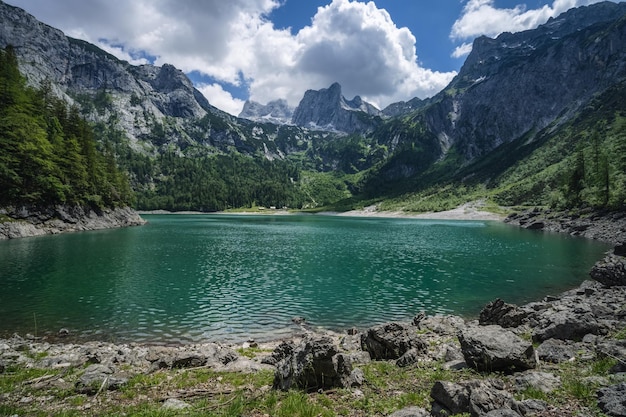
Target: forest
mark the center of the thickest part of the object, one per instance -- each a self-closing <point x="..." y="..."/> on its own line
<point x="48" y="153"/>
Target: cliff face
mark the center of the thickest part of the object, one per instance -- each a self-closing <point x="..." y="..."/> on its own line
<point x="328" y="109"/>
<point x="520" y="83"/>
<point x="277" y="111"/>
<point x="141" y="98"/>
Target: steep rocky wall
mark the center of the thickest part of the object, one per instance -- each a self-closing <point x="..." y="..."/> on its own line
<point x="25" y="222"/>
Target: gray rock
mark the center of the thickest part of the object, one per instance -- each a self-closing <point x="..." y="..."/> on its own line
<point x="531" y="407"/>
<point x="612" y="400"/>
<point x="485" y="398"/>
<point x="282" y="351"/>
<point x="175" y="404"/>
<point x="315" y="364"/>
<point x="555" y="351"/>
<point x="190" y="357"/>
<point x="454" y="398"/>
<point x="503" y="412"/>
<point x="99" y="377"/>
<point x="391" y="341"/>
<point x="410" y="357"/>
<point x="277" y="111"/>
<point x="492" y="349"/>
<point x="328" y="109"/>
<point x="541" y="381"/>
<point x="610" y="271"/>
<point x="503" y="314"/>
<point x="410" y="412"/>
<point x="567" y="324"/>
<point x="475" y="397"/>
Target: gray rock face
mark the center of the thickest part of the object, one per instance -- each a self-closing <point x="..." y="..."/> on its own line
<point x="491" y="349"/>
<point x="555" y="351"/>
<point x="541" y="381"/>
<point x="137" y="95"/>
<point x="391" y="341"/>
<point x="53" y="220"/>
<point x="99" y="377"/>
<point x="277" y="111"/>
<point x="194" y="356"/>
<point x="611" y="271"/>
<point x="475" y="397"/>
<point x="327" y="109"/>
<point x="612" y="400"/>
<point x="316" y="364"/>
<point x="503" y="314"/>
<point x="518" y="82"/>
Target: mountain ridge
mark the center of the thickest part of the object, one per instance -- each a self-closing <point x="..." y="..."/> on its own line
<point x="510" y="90"/>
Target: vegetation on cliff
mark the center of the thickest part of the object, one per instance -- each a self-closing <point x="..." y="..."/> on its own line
<point x="48" y="153"/>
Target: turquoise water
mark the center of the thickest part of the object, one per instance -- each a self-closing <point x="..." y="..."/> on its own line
<point x="189" y="278"/>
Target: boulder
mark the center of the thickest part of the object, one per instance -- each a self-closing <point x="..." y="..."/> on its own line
<point x="391" y="341"/>
<point x="410" y="412"/>
<point x="281" y="352"/>
<point x="475" y="397"/>
<point x="503" y="314"/>
<point x="454" y="398"/>
<point x="99" y="377"/>
<point x="316" y="364"/>
<point x="192" y="356"/>
<point x="620" y="250"/>
<point x="567" y="324"/>
<point x="556" y="351"/>
<point x="540" y="381"/>
<point x="610" y="271"/>
<point x="410" y="357"/>
<point x="612" y="400"/>
<point x="485" y="398"/>
<point x="492" y="349"/>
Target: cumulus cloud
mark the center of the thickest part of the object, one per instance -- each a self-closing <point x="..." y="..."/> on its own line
<point x="221" y="98"/>
<point x="354" y="43"/>
<point x="481" y="17"/>
<point x="359" y="45"/>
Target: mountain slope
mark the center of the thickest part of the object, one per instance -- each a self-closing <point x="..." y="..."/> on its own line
<point x="328" y="109"/>
<point x="522" y="82"/>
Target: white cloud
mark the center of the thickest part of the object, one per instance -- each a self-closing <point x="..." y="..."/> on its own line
<point x="481" y="17"/>
<point x="359" y="46"/>
<point x="221" y="98"/>
<point x="462" y="50"/>
<point x="353" y="43"/>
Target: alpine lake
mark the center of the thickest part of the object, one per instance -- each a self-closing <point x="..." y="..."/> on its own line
<point x="201" y="278"/>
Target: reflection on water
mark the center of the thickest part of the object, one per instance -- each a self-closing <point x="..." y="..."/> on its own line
<point x="215" y="277"/>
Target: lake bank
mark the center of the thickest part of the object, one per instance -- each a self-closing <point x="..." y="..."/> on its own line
<point x="28" y="222"/>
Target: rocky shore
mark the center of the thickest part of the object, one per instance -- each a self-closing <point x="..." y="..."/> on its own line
<point x="562" y="356"/>
<point x="512" y="361"/>
<point x="17" y="222"/>
<point x="606" y="226"/>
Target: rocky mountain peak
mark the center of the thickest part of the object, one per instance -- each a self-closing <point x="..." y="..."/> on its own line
<point x="328" y="109"/>
<point x="276" y="111"/>
<point x="522" y="82"/>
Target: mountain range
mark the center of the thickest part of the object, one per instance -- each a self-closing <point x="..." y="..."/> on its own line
<point x="510" y="106"/>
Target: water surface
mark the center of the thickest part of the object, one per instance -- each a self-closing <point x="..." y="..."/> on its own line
<point x="187" y="278"/>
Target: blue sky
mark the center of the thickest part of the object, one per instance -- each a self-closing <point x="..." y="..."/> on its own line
<point x="383" y="50"/>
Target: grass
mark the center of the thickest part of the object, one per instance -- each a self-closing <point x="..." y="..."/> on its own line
<point x="209" y="393"/>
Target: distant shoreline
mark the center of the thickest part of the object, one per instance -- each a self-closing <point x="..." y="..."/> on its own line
<point x="465" y="212"/>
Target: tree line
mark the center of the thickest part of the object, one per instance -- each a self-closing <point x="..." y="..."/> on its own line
<point x="48" y="153"/>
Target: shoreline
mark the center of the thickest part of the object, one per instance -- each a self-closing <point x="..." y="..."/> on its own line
<point x="21" y="222"/>
<point x="466" y="212"/>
